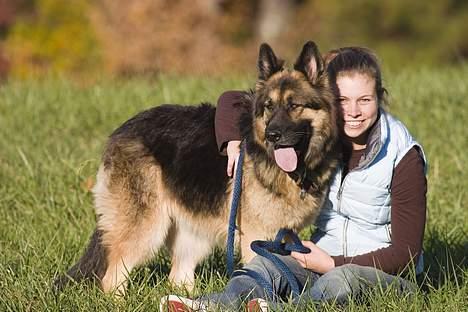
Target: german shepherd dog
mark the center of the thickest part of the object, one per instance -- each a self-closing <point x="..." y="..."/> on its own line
<point x="162" y="181"/>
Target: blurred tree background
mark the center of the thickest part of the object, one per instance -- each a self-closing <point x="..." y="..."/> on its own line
<point x="91" y="38"/>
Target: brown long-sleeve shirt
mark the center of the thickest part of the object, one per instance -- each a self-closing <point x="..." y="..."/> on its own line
<point x="408" y="191"/>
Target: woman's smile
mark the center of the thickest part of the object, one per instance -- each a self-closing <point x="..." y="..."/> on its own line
<point x="353" y="124"/>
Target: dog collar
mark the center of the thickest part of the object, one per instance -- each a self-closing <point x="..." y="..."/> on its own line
<point x="304" y="180"/>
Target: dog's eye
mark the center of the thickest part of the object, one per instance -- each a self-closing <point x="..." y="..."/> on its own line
<point x="293" y="106"/>
<point x="313" y="105"/>
<point x="268" y="105"/>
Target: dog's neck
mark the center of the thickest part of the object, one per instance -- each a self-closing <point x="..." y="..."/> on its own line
<point x="304" y="179"/>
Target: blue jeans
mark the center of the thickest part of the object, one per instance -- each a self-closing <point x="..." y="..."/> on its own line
<point x="339" y="284"/>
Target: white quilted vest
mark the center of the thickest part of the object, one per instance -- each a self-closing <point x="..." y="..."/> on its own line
<point x="355" y="218"/>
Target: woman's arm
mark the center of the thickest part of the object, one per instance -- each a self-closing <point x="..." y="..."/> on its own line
<point x="408" y="217"/>
<point x="228" y="112"/>
<point x="227" y="130"/>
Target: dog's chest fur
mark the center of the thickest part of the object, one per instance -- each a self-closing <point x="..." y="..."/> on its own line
<point x="267" y="209"/>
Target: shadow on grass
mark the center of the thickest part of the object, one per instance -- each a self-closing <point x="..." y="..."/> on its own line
<point x="214" y="265"/>
<point x="445" y="257"/>
<point x="157" y="271"/>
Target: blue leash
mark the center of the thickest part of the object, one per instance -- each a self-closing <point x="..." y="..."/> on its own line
<point x="262" y="248"/>
<point x="236" y="195"/>
<point x="268" y="249"/>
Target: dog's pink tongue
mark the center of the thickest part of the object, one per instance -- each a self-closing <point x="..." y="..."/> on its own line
<point x="286" y="158"/>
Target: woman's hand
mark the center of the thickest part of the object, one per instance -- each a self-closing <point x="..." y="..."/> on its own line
<point x="232" y="151"/>
<point x="316" y="260"/>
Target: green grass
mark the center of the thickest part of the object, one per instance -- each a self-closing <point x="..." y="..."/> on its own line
<point x="52" y="133"/>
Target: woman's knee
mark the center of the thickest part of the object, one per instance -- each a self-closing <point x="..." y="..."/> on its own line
<point x="348" y="275"/>
<point x="270" y="271"/>
<point x="260" y="264"/>
<point x="347" y="271"/>
<point x="338" y="284"/>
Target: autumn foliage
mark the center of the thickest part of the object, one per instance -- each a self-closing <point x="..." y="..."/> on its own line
<point x="148" y="37"/>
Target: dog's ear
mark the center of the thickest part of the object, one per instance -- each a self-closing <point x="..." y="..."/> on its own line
<point x="310" y="62"/>
<point x="268" y="63"/>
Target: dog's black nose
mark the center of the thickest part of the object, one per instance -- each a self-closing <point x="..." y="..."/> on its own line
<point x="273" y="136"/>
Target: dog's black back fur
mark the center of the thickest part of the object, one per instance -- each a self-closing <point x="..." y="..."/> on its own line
<point x="182" y="141"/>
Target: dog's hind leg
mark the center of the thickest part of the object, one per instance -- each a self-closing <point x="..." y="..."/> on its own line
<point x="128" y="249"/>
<point x="187" y="248"/>
<point x="132" y="208"/>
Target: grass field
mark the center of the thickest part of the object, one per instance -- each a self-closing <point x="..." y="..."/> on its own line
<point x="52" y="133"/>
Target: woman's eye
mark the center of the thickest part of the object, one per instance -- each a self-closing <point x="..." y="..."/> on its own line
<point x="365" y="100"/>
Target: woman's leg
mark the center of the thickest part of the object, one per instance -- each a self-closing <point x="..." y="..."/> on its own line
<point x="351" y="280"/>
<point x="242" y="288"/>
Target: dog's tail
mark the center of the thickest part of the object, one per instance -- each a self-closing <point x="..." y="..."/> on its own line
<point x="91" y="266"/>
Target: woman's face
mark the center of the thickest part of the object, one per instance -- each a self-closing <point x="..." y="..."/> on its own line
<point x="359" y="105"/>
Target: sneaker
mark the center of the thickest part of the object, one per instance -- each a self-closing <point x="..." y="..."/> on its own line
<point x="257" y="305"/>
<point x="174" y="303"/>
